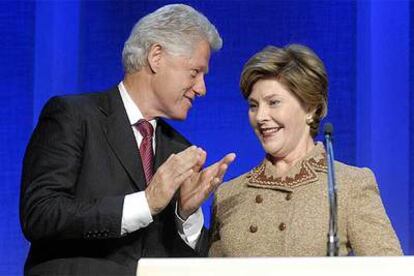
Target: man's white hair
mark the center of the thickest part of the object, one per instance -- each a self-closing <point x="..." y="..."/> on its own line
<point x="177" y="28"/>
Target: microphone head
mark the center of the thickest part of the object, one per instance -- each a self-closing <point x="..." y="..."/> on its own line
<point x="328" y="129"/>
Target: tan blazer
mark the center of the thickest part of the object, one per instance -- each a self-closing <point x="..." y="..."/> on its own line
<point x="257" y="214"/>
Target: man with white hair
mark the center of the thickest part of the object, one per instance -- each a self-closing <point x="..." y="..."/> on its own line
<point x="105" y="180"/>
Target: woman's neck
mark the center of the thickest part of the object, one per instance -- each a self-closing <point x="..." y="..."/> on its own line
<point x="285" y="163"/>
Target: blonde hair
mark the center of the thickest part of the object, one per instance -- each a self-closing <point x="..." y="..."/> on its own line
<point x="297" y="68"/>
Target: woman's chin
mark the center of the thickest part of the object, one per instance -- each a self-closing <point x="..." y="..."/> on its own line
<point x="271" y="149"/>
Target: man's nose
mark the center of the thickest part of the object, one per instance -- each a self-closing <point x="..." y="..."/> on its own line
<point x="200" y="86"/>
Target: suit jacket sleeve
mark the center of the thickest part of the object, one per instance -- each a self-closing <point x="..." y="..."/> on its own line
<point x="49" y="208"/>
<point x="370" y="230"/>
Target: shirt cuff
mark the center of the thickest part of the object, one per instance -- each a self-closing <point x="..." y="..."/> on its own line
<point x="136" y="213"/>
<point x="190" y="229"/>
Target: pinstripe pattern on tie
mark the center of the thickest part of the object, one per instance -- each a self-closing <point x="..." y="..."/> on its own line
<point x="145" y="149"/>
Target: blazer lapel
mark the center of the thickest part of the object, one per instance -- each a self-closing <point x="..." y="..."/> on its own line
<point x="168" y="141"/>
<point x="120" y="137"/>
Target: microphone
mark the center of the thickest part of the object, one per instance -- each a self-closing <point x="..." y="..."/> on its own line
<point x="333" y="240"/>
<point x="328" y="129"/>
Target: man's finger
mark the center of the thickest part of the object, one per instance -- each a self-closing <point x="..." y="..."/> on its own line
<point x="221" y="171"/>
<point x="182" y="177"/>
<point x="181" y="162"/>
<point x="223" y="165"/>
<point x="201" y="161"/>
<point x="229" y="158"/>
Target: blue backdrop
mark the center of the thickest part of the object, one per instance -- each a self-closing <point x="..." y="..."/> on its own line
<point x="58" y="47"/>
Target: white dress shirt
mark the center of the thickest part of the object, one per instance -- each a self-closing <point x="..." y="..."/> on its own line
<point x="136" y="213"/>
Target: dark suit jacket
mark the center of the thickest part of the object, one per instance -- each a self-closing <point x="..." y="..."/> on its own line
<point x="81" y="161"/>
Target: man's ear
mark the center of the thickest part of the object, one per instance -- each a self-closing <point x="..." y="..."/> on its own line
<point x="154" y="57"/>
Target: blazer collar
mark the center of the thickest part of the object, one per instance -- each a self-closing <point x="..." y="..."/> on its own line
<point x="302" y="173"/>
<point x="168" y="141"/>
<point x="120" y="136"/>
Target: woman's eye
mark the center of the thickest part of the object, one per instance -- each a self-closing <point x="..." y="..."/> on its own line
<point x="274" y="102"/>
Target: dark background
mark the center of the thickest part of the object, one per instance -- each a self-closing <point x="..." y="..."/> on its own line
<point x="64" y="47"/>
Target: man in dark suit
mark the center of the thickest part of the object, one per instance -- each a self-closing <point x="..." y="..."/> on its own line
<point x="95" y="198"/>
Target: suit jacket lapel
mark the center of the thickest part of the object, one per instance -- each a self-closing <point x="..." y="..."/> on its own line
<point x="168" y="141"/>
<point x="121" y="138"/>
<point x="162" y="150"/>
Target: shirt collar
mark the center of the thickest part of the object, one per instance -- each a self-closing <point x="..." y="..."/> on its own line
<point x="132" y="110"/>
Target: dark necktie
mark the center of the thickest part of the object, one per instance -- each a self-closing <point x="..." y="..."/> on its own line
<point x="145" y="150"/>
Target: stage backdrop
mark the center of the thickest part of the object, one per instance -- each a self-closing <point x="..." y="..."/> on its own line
<point x="57" y="47"/>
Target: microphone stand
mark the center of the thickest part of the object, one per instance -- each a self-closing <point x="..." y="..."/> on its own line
<point x="333" y="240"/>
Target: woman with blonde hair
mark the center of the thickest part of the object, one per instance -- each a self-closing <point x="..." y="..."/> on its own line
<point x="280" y="208"/>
